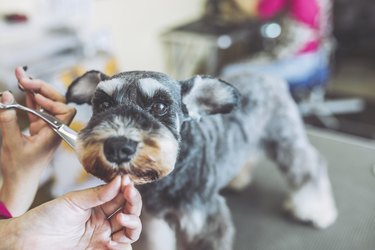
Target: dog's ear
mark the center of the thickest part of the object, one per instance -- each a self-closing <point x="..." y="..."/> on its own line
<point x="204" y="95"/>
<point x="82" y="89"/>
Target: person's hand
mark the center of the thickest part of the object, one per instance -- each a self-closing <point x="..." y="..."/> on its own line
<point x="23" y="158"/>
<point x="104" y="217"/>
<point x="41" y="94"/>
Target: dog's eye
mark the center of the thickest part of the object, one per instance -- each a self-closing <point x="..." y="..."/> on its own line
<point x="159" y="109"/>
<point x="104" y="105"/>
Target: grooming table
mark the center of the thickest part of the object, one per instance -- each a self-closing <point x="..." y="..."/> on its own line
<point x="261" y="224"/>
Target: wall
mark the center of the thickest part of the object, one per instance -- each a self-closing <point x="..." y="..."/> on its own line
<point x="135" y="25"/>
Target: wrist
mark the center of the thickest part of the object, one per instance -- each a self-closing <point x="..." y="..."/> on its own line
<point x="18" y="196"/>
<point x="8" y="198"/>
<point x="4" y="212"/>
<point x="12" y="231"/>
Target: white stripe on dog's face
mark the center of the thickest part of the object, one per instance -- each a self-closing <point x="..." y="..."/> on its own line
<point x="149" y="86"/>
<point x="109" y="86"/>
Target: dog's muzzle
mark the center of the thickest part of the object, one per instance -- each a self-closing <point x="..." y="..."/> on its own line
<point x="126" y="141"/>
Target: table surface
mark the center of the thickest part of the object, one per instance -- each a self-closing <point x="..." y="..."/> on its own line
<point x="261" y="224"/>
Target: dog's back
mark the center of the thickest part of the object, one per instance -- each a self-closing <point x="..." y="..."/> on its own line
<point x="213" y="149"/>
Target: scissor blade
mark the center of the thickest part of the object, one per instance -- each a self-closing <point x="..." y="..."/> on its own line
<point x="68" y="135"/>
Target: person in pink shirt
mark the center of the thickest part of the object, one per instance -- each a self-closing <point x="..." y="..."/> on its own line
<point x="303" y="41"/>
<point x="103" y="217"/>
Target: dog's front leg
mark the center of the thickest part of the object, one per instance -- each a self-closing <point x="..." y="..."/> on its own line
<point x="156" y="234"/>
<point x="206" y="227"/>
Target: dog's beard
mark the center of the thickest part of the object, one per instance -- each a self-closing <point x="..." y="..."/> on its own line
<point x="155" y="158"/>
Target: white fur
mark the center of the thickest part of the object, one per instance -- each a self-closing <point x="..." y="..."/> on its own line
<point x="156" y="234"/>
<point x="149" y="86"/>
<point x="109" y="86"/>
<point x="313" y="203"/>
<point x="83" y="87"/>
<point x="178" y="123"/>
<point x="193" y="222"/>
<point x="190" y="99"/>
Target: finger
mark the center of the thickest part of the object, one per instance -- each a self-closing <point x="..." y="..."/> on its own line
<point x="125" y="181"/>
<point x="38" y="86"/>
<point x="63" y="111"/>
<point x="112" y="245"/>
<point x="11" y="133"/>
<point x="133" y="199"/>
<point x="93" y="197"/>
<point x="114" y="205"/>
<point x="119" y="201"/>
<point x="133" y="202"/>
<point x="122" y="221"/>
<point x="130" y="230"/>
<point x="30" y="102"/>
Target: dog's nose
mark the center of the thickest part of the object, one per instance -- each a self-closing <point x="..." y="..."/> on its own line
<point x="119" y="149"/>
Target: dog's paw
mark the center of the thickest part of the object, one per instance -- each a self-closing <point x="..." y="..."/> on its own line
<point x="313" y="203"/>
<point x="243" y="178"/>
<point x="240" y="182"/>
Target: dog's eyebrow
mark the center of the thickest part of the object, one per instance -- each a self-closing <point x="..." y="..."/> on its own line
<point x="150" y="85"/>
<point x="109" y="86"/>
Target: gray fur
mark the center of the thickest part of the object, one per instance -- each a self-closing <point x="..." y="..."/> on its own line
<point x="213" y="150"/>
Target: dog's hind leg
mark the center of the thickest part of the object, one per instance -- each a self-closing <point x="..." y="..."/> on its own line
<point x="207" y="228"/>
<point x="305" y="169"/>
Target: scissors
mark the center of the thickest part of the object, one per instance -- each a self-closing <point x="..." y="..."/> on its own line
<point x="66" y="133"/>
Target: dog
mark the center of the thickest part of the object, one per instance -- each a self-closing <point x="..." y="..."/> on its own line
<point x="186" y="140"/>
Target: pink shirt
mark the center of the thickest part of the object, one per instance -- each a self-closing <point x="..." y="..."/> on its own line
<point x="4" y="212"/>
<point x="304" y="11"/>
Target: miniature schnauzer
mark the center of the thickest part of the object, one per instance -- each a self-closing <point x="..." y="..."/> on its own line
<point x="186" y="140"/>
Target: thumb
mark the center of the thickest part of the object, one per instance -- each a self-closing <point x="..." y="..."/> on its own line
<point x="8" y="122"/>
<point x="93" y="197"/>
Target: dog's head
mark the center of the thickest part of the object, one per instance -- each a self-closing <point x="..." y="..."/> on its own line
<point x="137" y="116"/>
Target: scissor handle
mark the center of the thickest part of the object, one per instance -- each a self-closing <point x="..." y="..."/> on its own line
<point x="51" y="120"/>
<point x="66" y="133"/>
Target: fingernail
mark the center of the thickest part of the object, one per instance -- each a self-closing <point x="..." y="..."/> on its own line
<point x="24" y="68"/>
<point x="124" y="217"/>
<point x="21" y="87"/>
<point x="7" y="97"/>
<point x="117" y="178"/>
<point x="126" y="180"/>
<point x="133" y="191"/>
<point x="112" y="244"/>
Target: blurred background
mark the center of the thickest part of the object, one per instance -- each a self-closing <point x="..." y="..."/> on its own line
<point x="324" y="49"/>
